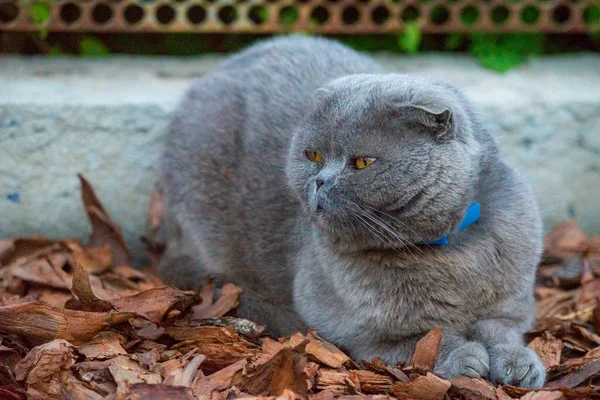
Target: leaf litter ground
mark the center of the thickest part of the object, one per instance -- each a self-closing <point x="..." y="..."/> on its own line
<point x="77" y="322"/>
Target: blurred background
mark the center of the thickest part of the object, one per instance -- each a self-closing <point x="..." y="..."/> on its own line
<point x="89" y="86"/>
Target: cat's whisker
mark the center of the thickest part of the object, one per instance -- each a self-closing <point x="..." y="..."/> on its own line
<point x="373" y="230"/>
<point x="387" y="241"/>
<point x="441" y="255"/>
<point x="390" y="230"/>
<point x="404" y="225"/>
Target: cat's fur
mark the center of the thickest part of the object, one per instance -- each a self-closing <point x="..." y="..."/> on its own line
<point x="346" y="259"/>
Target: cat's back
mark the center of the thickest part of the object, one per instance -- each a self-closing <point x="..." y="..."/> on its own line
<point x="223" y="168"/>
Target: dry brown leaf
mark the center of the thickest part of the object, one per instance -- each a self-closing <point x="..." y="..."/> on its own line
<point x="7" y="247"/>
<point x="324" y="352"/>
<point x="39" y="323"/>
<point x="127" y="372"/>
<point x="45" y="271"/>
<point x="502" y="394"/>
<point x="564" y="240"/>
<point x="204" y="385"/>
<point x="74" y="389"/>
<point x="371" y="382"/>
<point x="144" y="391"/>
<point x="228" y="300"/>
<point x="221" y="345"/>
<point x="473" y="388"/>
<point x="428" y="387"/>
<point x="104" y="230"/>
<point x="103" y="346"/>
<point x="548" y="348"/>
<point x="82" y="287"/>
<point x="270" y="375"/>
<point x="155" y="304"/>
<point x="543" y="395"/>
<point x="575" y="378"/>
<point x="14" y="249"/>
<point x="9" y="392"/>
<point x="427" y="349"/>
<point x="9" y="357"/>
<point x="46" y="368"/>
<point x="336" y="381"/>
<point x="96" y="260"/>
<point x="271" y="346"/>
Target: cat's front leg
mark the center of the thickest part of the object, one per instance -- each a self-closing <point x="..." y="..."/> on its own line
<point x="511" y="363"/>
<point x="459" y="356"/>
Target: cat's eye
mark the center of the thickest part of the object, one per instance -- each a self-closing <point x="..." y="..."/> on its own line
<point x="313" y="155"/>
<point x="362" y="162"/>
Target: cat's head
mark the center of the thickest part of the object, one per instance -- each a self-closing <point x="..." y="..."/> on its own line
<point x="385" y="159"/>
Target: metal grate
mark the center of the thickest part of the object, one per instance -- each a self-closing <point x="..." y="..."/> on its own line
<point x="323" y="16"/>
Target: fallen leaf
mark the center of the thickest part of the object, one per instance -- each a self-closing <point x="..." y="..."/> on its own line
<point x="428" y="387"/>
<point x="324" y="352"/>
<point x="14" y="249"/>
<point x="370" y="382"/>
<point x="548" y="348"/>
<point x="73" y="389"/>
<point x="46" y="368"/>
<point x="155" y="304"/>
<point x="575" y="378"/>
<point x="39" y="323"/>
<point x="144" y="391"/>
<point x="473" y="388"/>
<point x="427" y="349"/>
<point x="104" y="230"/>
<point x="102" y="346"/>
<point x="543" y="395"/>
<point x="44" y="271"/>
<point x="228" y="300"/>
<point x="127" y="372"/>
<point x="96" y="260"/>
<point x="272" y="374"/>
<point x="9" y="357"/>
<point x="564" y="240"/>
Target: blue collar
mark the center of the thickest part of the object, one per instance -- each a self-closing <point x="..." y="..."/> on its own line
<point x="470" y="217"/>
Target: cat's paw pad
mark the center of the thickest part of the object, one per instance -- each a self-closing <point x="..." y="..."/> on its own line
<point x="516" y="365"/>
<point x="470" y="359"/>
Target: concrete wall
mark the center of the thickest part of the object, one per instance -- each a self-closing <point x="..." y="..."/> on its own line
<point x="106" y="119"/>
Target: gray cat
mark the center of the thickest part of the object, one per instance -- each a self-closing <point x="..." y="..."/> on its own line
<point x="306" y="175"/>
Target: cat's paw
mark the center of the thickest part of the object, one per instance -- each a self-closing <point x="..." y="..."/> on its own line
<point x="470" y="359"/>
<point x="516" y="365"/>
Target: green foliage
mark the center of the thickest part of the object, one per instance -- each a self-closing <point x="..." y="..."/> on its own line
<point x="454" y="41"/>
<point x="502" y="52"/>
<point x="288" y="16"/>
<point x="39" y="13"/>
<point x="409" y="41"/>
<point x="90" y="46"/>
<point x="263" y="14"/>
<point x="591" y="15"/>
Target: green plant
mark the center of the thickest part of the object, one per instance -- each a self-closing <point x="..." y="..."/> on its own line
<point x="90" y="46"/>
<point x="454" y="41"/>
<point x="502" y="52"/>
<point x="409" y="40"/>
<point x="39" y="13"/>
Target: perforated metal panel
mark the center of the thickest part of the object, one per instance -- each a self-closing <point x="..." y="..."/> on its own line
<point x="325" y="16"/>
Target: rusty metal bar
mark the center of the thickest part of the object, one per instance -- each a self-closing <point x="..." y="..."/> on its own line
<point x="316" y="16"/>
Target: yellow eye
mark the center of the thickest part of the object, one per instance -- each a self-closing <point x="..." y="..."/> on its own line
<point x="363" y="162"/>
<point x="312" y="155"/>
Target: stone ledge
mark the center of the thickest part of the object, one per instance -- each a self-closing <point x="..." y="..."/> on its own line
<point x="106" y="118"/>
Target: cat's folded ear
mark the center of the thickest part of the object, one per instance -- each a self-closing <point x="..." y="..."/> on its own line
<point x="438" y="119"/>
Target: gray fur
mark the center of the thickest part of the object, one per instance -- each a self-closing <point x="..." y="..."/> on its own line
<point x="345" y="259"/>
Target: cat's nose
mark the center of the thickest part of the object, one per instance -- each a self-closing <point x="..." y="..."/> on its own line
<point x="319" y="183"/>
